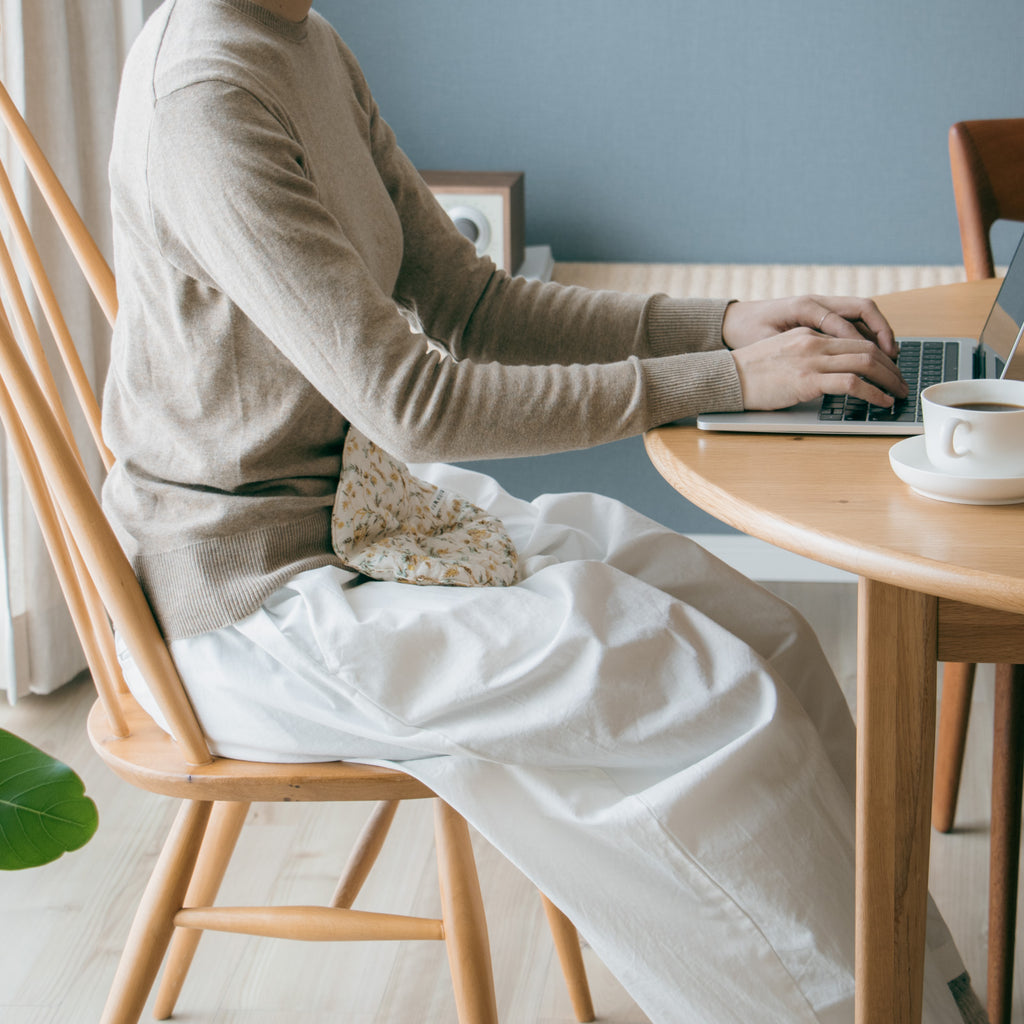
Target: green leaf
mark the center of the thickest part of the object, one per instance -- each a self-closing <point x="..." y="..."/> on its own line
<point x="44" y="811"/>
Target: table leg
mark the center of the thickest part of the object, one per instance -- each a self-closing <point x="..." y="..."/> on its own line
<point x="896" y="684"/>
<point x="1004" y="844"/>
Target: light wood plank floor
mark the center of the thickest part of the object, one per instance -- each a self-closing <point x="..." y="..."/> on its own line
<point x="61" y="926"/>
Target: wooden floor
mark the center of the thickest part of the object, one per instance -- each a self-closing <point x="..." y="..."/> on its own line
<point x="61" y="926"/>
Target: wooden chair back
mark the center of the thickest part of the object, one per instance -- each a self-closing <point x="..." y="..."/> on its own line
<point x="987" y="162"/>
<point x="104" y="595"/>
<point x="95" y="576"/>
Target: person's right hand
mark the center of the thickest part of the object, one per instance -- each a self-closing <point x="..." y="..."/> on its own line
<point x="802" y="364"/>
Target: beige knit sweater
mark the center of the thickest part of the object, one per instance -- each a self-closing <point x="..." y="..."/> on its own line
<point x="267" y="231"/>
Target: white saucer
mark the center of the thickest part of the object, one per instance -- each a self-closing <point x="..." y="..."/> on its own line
<point x="910" y="463"/>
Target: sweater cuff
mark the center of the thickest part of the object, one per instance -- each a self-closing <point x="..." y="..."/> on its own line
<point x="679" y="387"/>
<point x="684" y="325"/>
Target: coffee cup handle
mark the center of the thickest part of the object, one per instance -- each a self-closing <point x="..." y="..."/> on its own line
<point x="949" y="429"/>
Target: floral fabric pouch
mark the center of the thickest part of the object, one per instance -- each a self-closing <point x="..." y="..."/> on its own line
<point x="390" y="525"/>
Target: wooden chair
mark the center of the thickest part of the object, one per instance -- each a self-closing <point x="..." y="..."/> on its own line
<point x="987" y="163"/>
<point x="103" y="595"/>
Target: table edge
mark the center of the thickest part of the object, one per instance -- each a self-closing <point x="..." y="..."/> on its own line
<point x="910" y="572"/>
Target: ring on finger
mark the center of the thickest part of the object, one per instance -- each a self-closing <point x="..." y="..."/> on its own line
<point x="824" y="317"/>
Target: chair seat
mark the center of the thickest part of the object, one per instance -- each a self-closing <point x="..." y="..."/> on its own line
<point x="148" y="758"/>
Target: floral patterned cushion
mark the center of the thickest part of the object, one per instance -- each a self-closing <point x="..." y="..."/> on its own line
<point x="389" y="525"/>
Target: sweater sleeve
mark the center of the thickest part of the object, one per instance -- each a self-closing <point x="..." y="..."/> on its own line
<point x="233" y="206"/>
<point x="516" y="321"/>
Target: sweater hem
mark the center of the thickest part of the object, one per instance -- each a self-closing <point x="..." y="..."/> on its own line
<point x="214" y="583"/>
<point x="684" y="325"/>
<point x="684" y="386"/>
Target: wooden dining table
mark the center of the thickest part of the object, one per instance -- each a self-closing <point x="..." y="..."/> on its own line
<point x="937" y="582"/>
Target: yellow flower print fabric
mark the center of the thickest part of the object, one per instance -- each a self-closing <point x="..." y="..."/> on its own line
<point x="389" y="525"/>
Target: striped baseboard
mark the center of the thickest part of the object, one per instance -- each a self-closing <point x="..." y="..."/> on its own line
<point x="755" y="280"/>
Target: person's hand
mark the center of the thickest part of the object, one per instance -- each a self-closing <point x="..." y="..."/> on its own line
<point x="794" y="350"/>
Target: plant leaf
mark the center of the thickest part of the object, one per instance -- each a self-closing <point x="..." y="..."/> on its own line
<point x="44" y="811"/>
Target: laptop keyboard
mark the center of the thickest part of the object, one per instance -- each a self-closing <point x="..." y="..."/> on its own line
<point x="922" y="362"/>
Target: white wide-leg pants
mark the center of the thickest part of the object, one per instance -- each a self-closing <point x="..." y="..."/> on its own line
<point x="658" y="743"/>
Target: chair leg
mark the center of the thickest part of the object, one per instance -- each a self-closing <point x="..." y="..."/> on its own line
<point x="954" y="715"/>
<point x="465" y="927"/>
<point x="226" y="821"/>
<point x="570" y="956"/>
<point x="154" y="920"/>
<point x="364" y="854"/>
<point x="1004" y="855"/>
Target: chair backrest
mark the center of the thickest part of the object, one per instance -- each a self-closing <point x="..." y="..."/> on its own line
<point x="987" y="162"/>
<point x="95" y="576"/>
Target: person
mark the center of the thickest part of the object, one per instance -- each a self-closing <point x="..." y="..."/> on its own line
<point x="657" y="742"/>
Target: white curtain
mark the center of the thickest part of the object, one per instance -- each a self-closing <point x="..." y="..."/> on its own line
<point x="60" y="61"/>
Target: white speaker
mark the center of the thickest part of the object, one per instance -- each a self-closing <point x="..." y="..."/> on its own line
<point x="488" y="208"/>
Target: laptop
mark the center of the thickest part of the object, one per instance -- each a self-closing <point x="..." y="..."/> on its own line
<point x="922" y="361"/>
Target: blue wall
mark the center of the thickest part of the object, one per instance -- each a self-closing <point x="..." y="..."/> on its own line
<point x="672" y="130"/>
<point x="721" y="130"/>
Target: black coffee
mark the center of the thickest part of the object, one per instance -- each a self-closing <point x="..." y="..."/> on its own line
<point x="988" y="406"/>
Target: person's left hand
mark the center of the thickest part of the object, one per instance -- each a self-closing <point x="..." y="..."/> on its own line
<point x="839" y="317"/>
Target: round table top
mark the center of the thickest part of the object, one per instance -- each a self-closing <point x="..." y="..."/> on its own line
<point x="837" y="500"/>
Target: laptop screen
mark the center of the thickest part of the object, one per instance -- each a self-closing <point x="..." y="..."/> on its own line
<point x="1002" y="330"/>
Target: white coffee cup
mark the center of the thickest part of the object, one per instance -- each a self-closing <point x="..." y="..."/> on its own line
<point x="975" y="427"/>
